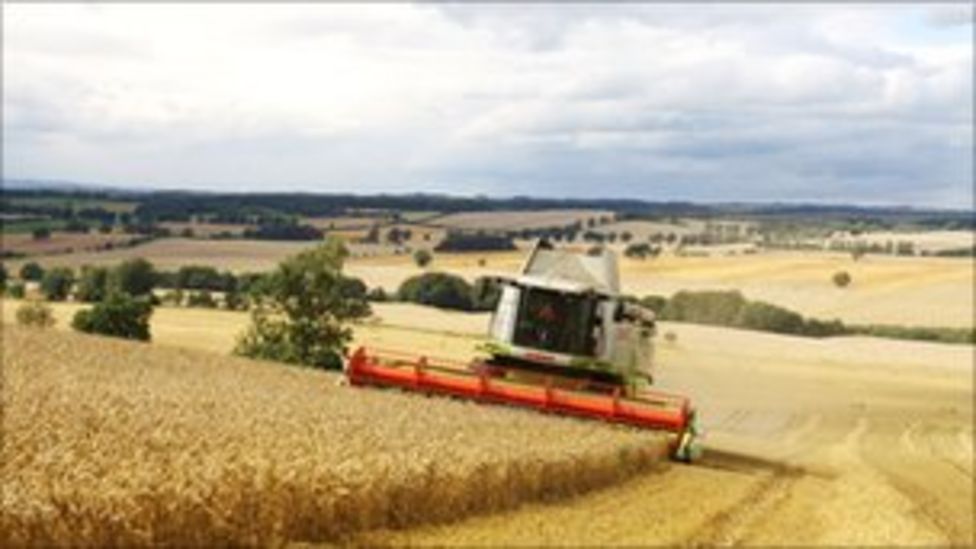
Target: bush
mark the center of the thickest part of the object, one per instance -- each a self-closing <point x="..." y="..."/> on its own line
<point x="458" y="242"/>
<point x="757" y="315"/>
<point x="301" y="309"/>
<point x="422" y="258"/>
<point x="35" y="314"/>
<point x="842" y="279"/>
<point x="719" y="308"/>
<point x="437" y="289"/>
<point x="135" y="277"/>
<point x="203" y="299"/>
<point x="655" y="303"/>
<point x="200" y="277"/>
<point x="820" y="328"/>
<point x="284" y="231"/>
<point x="119" y="315"/>
<point x="919" y="333"/>
<point x="352" y="288"/>
<point x="3" y="277"/>
<point x="377" y="294"/>
<point x="16" y="290"/>
<point x="247" y="281"/>
<point x="56" y="284"/>
<point x="92" y="285"/>
<point x="642" y="250"/>
<point x="32" y="271"/>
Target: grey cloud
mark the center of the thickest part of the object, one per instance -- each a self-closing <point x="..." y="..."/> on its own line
<point x="950" y="15"/>
<point x="543" y="110"/>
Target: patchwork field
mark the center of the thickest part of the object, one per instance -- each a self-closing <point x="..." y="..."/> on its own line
<point x="517" y="220"/>
<point x="915" y="291"/>
<point x="171" y="253"/>
<point x="205" y="230"/>
<point x="880" y="429"/>
<point x="60" y="242"/>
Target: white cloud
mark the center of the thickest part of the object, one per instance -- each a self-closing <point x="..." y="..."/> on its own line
<point x="656" y="101"/>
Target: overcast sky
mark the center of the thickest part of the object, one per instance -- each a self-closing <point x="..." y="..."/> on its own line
<point x="836" y="103"/>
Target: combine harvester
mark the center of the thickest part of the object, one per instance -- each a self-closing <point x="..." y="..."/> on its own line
<point x="561" y="341"/>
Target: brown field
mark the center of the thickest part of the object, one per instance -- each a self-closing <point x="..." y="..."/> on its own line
<point x="205" y="230"/>
<point x="641" y="231"/>
<point x="852" y="440"/>
<point x="346" y="222"/>
<point x="517" y="220"/>
<point x="172" y="253"/>
<point x="60" y="242"/>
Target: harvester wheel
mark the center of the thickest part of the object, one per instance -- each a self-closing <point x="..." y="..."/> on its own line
<point x="689" y="448"/>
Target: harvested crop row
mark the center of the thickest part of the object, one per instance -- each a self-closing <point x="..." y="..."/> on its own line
<point x="110" y="442"/>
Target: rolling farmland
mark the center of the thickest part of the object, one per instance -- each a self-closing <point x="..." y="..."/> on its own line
<point x="879" y="428"/>
<point x="913" y="291"/>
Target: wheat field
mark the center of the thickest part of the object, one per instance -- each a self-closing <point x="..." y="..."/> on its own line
<point x="110" y="442"/>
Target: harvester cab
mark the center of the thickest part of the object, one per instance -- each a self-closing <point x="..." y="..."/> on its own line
<point x="563" y="318"/>
<point x="561" y="341"/>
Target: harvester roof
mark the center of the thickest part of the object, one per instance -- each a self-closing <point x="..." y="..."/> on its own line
<point x="569" y="271"/>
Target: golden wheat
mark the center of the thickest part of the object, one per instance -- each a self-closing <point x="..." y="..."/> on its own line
<point x="110" y="442"/>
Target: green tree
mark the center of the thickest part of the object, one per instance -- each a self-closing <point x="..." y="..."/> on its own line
<point x="31" y="271"/>
<point x="56" y="284"/>
<point x="135" y="277"/>
<point x="301" y="310"/>
<point x="119" y="315"/>
<point x="422" y="258"/>
<point x="377" y="294"/>
<point x="485" y="294"/>
<point x="437" y="289"/>
<point x="353" y="288"/>
<point x="92" y="284"/>
<point x="3" y="277"/>
<point x="842" y="279"/>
